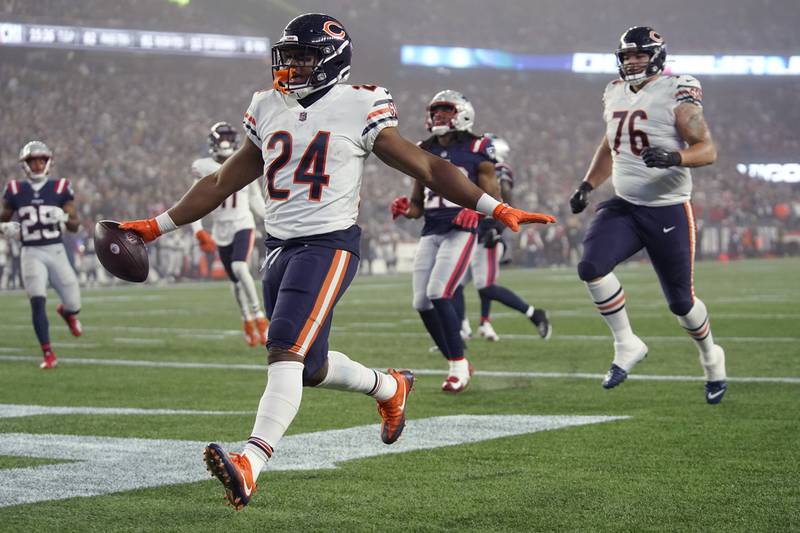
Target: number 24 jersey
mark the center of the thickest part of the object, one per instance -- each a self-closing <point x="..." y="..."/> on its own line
<point x="314" y="157"/>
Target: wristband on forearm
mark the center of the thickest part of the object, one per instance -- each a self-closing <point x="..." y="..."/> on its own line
<point x="486" y="205"/>
<point x="165" y="223"/>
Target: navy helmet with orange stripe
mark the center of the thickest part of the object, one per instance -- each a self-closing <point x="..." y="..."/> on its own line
<point x="35" y="150"/>
<point x="223" y="140"/>
<point x="641" y="39"/>
<point x="313" y="53"/>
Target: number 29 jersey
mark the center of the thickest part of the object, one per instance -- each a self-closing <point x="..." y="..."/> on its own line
<point x="635" y="120"/>
<point x="314" y="157"/>
<point x="38" y="208"/>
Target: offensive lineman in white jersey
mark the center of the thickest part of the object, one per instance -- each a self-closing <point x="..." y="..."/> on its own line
<point x="313" y="134"/>
<point x="655" y="131"/>
<point x="233" y="232"/>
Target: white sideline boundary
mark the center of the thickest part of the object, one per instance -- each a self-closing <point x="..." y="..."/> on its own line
<point x="421" y="372"/>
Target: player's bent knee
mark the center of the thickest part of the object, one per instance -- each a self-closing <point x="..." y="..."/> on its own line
<point x="435" y="291"/>
<point x="588" y="271"/>
<point x="313" y="377"/>
<point x="422" y="303"/>
<point x="681" y="308"/>
<point x="240" y="269"/>
<point x="277" y="355"/>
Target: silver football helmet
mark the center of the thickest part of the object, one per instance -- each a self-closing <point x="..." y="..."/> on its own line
<point x="32" y="150"/>
<point x="501" y="148"/>
<point x="462" y="113"/>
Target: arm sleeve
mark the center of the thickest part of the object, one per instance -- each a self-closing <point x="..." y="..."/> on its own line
<point x="688" y="90"/>
<point x="381" y="114"/>
<point x="249" y="122"/>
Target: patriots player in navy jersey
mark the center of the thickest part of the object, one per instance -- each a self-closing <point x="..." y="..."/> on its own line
<point x="42" y="206"/>
<point x="485" y="266"/>
<point x="450" y="231"/>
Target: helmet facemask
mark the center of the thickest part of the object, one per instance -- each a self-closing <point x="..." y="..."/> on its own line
<point x="41" y="171"/>
<point x="299" y="70"/>
<point x="36" y="150"/>
<point x="441" y="118"/>
<point x="636" y="72"/>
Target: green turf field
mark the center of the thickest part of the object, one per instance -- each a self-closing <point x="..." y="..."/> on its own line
<point x="669" y="462"/>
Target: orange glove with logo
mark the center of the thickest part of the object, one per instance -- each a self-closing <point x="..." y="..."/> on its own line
<point x="513" y="217"/>
<point x="207" y="243"/>
<point x="147" y="229"/>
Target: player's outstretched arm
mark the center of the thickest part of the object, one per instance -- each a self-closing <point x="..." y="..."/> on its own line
<point x="446" y="180"/>
<point x="243" y="167"/>
<point x="599" y="171"/>
<point x="692" y="127"/>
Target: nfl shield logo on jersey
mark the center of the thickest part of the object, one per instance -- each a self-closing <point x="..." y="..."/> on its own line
<point x="303" y="116"/>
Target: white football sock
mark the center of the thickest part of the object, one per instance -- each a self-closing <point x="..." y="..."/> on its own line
<point x="459" y="367"/>
<point x="698" y="325"/>
<point x="529" y="312"/>
<point x="346" y="374"/>
<point x="242" y="272"/>
<point x="609" y="298"/>
<point x="277" y="408"/>
<point x="238" y="294"/>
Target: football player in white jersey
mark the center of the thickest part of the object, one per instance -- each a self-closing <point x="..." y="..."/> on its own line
<point x="485" y="266"/>
<point x="43" y="206"/>
<point x="233" y="232"/>
<point x="312" y="133"/>
<point x="655" y="131"/>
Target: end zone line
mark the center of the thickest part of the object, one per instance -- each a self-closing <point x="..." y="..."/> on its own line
<point x="422" y="372"/>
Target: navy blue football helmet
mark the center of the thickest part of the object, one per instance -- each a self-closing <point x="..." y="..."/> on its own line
<point x="223" y="140"/>
<point x="317" y="42"/>
<point x="641" y="39"/>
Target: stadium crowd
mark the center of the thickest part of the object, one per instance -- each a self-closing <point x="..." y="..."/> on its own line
<point x="126" y="127"/>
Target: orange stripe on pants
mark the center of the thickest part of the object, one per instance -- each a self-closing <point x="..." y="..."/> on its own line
<point x="324" y="302"/>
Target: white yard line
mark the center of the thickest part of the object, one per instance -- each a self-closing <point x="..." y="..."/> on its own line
<point x="422" y="372"/>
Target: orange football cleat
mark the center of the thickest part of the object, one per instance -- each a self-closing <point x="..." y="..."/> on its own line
<point x="234" y="472"/>
<point x="262" y="324"/>
<point x="393" y="410"/>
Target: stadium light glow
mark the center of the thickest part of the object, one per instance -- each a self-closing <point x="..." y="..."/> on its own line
<point x="776" y="172"/>
<point x="126" y="40"/>
<point x="459" y="57"/>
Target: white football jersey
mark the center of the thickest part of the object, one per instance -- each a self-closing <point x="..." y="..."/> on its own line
<point x="647" y="118"/>
<point x="234" y="213"/>
<point x="314" y="156"/>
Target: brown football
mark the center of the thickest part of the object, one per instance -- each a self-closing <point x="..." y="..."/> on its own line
<point x="121" y="252"/>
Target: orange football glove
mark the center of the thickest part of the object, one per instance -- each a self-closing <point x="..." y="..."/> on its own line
<point x="207" y="243"/>
<point x="513" y="217"/>
<point x="467" y="219"/>
<point x="147" y="229"/>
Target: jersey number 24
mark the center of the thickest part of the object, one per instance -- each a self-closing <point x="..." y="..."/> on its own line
<point x="310" y="170"/>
